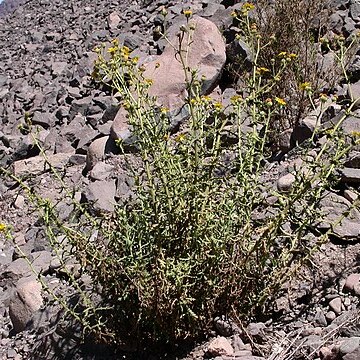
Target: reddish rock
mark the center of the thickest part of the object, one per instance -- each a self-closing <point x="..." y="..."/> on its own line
<point x="220" y="346"/>
<point x="26" y="301"/>
<point x="206" y="54"/>
<point x="352" y="281"/>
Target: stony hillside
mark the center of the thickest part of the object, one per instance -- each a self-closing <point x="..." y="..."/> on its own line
<point x="45" y="66"/>
<point x="8" y="6"/>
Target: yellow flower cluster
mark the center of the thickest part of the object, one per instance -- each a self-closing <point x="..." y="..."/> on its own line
<point x="305" y="86"/>
<point x="262" y="70"/>
<point x="187" y="13"/>
<point x="355" y="133"/>
<point x="280" y="101"/>
<point x="2" y="227"/>
<point x="207" y="102"/>
<point x="122" y="52"/>
<point x="247" y="7"/>
<point x="236" y="99"/>
<point x="287" y="56"/>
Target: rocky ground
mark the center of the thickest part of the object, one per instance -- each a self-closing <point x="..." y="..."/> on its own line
<point x="45" y="67"/>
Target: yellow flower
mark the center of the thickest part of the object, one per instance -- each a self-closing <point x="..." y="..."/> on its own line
<point x="206" y="98"/>
<point x="187" y="13"/>
<point x="262" y="70"/>
<point x="355" y="133"/>
<point x="135" y="60"/>
<point x="112" y="50"/>
<point x="164" y="110"/>
<point x="236" y="99"/>
<point x="126" y="50"/>
<point x="149" y="81"/>
<point x="339" y="38"/>
<point x="2" y="227"/>
<point x="127" y="105"/>
<point x="233" y="14"/>
<point x="280" y="101"/>
<point x="293" y="56"/>
<point x="115" y="42"/>
<point x="282" y="54"/>
<point x="180" y="138"/>
<point x="248" y="7"/>
<point x="305" y="86"/>
<point x="218" y="105"/>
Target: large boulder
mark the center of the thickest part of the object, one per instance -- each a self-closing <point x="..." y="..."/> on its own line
<point x="206" y="54"/>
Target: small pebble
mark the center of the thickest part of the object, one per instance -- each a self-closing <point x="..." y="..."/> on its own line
<point x="335" y="305"/>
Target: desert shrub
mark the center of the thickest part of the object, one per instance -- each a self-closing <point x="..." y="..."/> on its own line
<point x="282" y="28"/>
<point x="205" y="233"/>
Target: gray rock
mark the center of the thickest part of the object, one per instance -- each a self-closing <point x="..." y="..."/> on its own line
<point x="101" y="171"/>
<point x="37" y="164"/>
<point x="257" y="332"/>
<point x="102" y="195"/>
<point x="285" y="183"/>
<point x="77" y="159"/>
<point x="59" y="68"/>
<point x="351" y="281"/>
<point x="351" y="196"/>
<point x="336" y="305"/>
<point x="304" y="129"/>
<point x="238" y="48"/>
<point x="113" y="20"/>
<point x="320" y="318"/>
<point x="120" y="129"/>
<point x="98" y="149"/>
<point x="211" y="9"/>
<point x="355" y="10"/>
<point x="353" y="160"/>
<point x="330" y="316"/>
<point x="79" y="106"/>
<point x="224" y="326"/>
<point x="284" y="140"/>
<point x="355" y="355"/>
<point x="237" y="343"/>
<point x="18" y="269"/>
<point x="350" y="175"/>
<point x="353" y="92"/>
<point x="333" y="208"/>
<point x="45" y="119"/>
<point x="26" y="301"/>
<point x="354" y="69"/>
<point x="349" y="345"/>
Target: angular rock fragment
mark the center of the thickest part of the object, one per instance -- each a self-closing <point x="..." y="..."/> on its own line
<point x="26" y="301"/>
